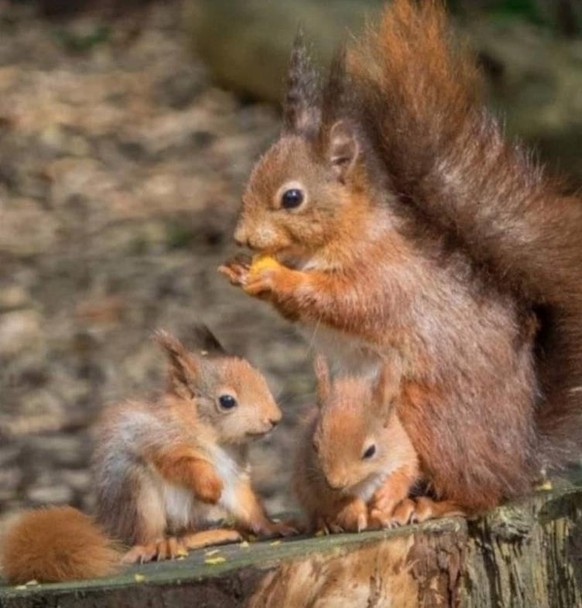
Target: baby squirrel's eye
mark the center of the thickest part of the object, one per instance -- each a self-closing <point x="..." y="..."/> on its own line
<point x="227" y="402"/>
<point x="369" y="452"/>
<point x="292" y="198"/>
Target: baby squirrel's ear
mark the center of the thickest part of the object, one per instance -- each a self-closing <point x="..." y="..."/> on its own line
<point x="343" y="149"/>
<point x="301" y="111"/>
<point x="323" y="382"/>
<point x="206" y="342"/>
<point x="386" y="389"/>
<point x="184" y="369"/>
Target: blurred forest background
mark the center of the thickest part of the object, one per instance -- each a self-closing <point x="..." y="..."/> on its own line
<point x="127" y="131"/>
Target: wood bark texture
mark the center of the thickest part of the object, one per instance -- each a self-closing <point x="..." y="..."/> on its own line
<point x="520" y="556"/>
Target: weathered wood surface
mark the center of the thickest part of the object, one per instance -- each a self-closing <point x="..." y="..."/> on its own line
<point x="523" y="555"/>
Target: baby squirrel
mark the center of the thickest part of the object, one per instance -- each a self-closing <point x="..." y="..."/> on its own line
<point x="163" y="470"/>
<point x="397" y="223"/>
<point x="356" y="466"/>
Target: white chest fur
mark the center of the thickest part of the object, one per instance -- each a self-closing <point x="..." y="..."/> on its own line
<point x="183" y="509"/>
<point x="231" y="473"/>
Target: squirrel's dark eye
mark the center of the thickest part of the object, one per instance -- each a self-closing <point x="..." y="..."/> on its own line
<point x="292" y="198"/>
<point x="227" y="402"/>
<point x="369" y="452"/>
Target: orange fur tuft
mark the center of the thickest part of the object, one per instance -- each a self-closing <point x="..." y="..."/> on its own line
<point x="57" y="545"/>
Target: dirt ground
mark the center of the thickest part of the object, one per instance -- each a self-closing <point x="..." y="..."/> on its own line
<point x="121" y="170"/>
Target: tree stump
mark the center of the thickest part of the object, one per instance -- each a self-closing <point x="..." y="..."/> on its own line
<point x="526" y="555"/>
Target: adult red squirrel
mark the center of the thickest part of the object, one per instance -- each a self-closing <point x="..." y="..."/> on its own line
<point x="400" y="223"/>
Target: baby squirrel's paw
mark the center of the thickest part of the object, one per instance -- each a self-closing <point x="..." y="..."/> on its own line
<point x="379" y="519"/>
<point x="276" y="528"/>
<point x="208" y="485"/>
<point x="351" y="518"/>
<point x="417" y="510"/>
<point x="168" y="548"/>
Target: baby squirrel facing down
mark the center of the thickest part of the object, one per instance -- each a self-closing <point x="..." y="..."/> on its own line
<point x="371" y="205"/>
<point x="356" y="466"/>
<point x="163" y="470"/>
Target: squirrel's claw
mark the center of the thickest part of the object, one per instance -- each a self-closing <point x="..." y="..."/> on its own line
<point x="275" y="528"/>
<point x="168" y="548"/>
<point x="234" y="273"/>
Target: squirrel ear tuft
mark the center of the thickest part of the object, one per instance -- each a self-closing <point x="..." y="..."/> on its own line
<point x="342" y="148"/>
<point x="206" y="342"/>
<point x="323" y="380"/>
<point x="301" y="112"/>
<point x="183" y="370"/>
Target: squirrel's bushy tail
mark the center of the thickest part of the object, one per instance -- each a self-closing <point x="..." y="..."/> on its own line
<point x="418" y="94"/>
<point x="57" y="544"/>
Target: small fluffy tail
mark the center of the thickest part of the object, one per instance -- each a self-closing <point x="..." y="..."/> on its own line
<point x="57" y="544"/>
<point x="418" y="94"/>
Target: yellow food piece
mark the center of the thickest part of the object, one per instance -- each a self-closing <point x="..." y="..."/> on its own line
<point x="544" y="486"/>
<point x="213" y="561"/>
<point x="263" y="262"/>
<point x="212" y="552"/>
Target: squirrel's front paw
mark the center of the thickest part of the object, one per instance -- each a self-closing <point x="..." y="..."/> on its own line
<point x="257" y="278"/>
<point x="208" y="486"/>
<point x="353" y="517"/>
<point x="276" y="528"/>
<point x="236" y="270"/>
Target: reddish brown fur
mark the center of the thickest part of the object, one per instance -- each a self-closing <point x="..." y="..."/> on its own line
<point x="159" y="467"/>
<point x="187" y="467"/>
<point x="370" y="273"/>
<point x="176" y="440"/>
<point x="336" y="486"/>
<point x="55" y="545"/>
<point x="419" y="99"/>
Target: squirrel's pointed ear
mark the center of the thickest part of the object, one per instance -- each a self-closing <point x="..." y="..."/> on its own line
<point x="206" y="342"/>
<point x="323" y="381"/>
<point x="301" y="112"/>
<point x="184" y="369"/>
<point x="342" y="148"/>
<point x="386" y="389"/>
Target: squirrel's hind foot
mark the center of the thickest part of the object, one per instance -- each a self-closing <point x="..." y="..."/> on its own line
<point x="168" y="548"/>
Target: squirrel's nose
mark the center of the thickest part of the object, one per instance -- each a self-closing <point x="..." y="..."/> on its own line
<point x="273" y="421"/>
<point x="335" y="485"/>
